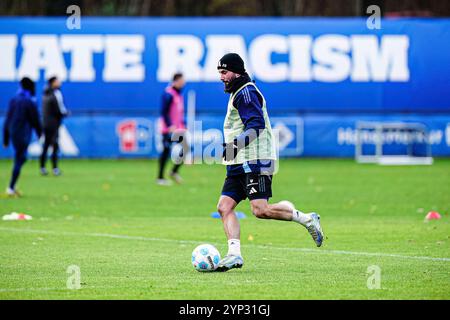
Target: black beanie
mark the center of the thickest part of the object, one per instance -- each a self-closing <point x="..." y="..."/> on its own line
<point x="28" y="84"/>
<point x="232" y="62"/>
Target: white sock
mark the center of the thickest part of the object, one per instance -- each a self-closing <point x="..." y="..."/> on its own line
<point x="234" y="247"/>
<point x="300" y="217"/>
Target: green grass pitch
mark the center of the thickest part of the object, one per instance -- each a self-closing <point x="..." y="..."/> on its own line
<point x="132" y="239"/>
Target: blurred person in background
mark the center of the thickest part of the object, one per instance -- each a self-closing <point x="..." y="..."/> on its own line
<point x="54" y="111"/>
<point x="172" y="128"/>
<point x="21" y="118"/>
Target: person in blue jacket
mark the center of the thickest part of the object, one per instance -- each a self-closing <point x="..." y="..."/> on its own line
<point x="21" y="118"/>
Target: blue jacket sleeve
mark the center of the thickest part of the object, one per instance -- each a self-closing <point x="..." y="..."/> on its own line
<point x="250" y="110"/>
<point x="6" y="124"/>
<point x="165" y="108"/>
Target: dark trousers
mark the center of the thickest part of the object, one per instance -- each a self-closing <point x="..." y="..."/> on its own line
<point x="51" y="139"/>
<point x="20" y="157"/>
<point x="167" y="140"/>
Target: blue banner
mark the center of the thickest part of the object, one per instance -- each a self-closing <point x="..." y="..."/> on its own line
<point x="300" y="64"/>
<point x="308" y="136"/>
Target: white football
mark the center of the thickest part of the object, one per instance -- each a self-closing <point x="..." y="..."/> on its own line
<point x="205" y="257"/>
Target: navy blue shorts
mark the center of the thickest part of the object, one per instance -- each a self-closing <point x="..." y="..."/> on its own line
<point x="249" y="185"/>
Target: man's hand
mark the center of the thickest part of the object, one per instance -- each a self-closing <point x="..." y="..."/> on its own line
<point x="230" y="150"/>
<point x="5" y="144"/>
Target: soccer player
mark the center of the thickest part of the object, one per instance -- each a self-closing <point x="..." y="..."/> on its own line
<point x="54" y="111"/>
<point x="172" y="128"/>
<point x="249" y="153"/>
<point x="22" y="116"/>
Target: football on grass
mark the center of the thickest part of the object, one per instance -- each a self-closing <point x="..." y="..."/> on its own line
<point x="205" y="257"/>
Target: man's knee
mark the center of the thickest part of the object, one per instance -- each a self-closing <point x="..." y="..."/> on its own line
<point x="20" y="157"/>
<point x="166" y="152"/>
<point x="225" y="208"/>
<point x="21" y="161"/>
<point x="260" y="210"/>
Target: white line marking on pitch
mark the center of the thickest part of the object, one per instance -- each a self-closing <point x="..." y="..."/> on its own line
<point x="49" y="289"/>
<point x="31" y="289"/>
<point x="141" y="238"/>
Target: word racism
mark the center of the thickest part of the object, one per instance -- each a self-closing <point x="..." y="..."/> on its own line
<point x="268" y="57"/>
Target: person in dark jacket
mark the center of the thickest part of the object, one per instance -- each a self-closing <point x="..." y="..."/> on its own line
<point x="54" y="111"/>
<point x="21" y="118"/>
